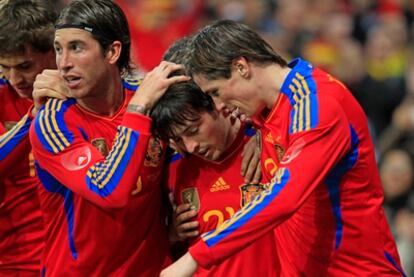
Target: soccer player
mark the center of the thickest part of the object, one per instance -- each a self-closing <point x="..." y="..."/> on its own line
<point x="208" y="177"/>
<point x="26" y="49"/>
<point x="325" y="196"/>
<point x="100" y="193"/>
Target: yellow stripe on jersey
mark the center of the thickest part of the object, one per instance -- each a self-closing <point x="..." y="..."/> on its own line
<point x="9" y="135"/>
<point x="112" y="165"/>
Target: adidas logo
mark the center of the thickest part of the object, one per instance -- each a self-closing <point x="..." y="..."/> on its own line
<point x="269" y="138"/>
<point x="219" y="185"/>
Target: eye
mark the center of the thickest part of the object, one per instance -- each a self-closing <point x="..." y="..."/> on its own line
<point x="25" y="65"/>
<point x="76" y="47"/>
<point x="213" y="93"/>
<point x="4" y="68"/>
<point x="58" y="50"/>
<point x="192" y="131"/>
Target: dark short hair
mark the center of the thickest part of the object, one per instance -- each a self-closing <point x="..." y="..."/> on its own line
<point x="182" y="103"/>
<point x="26" y="23"/>
<point x="178" y="51"/>
<point x="216" y="46"/>
<point x="108" y="22"/>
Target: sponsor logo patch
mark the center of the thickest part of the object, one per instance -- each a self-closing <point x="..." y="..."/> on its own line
<point x="293" y="151"/>
<point x="77" y="159"/>
<point x="219" y="185"/>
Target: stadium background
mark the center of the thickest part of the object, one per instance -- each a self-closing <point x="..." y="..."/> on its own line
<point x="368" y="44"/>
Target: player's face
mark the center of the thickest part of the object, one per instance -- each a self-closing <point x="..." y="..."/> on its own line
<point x="21" y="70"/>
<point x="235" y="95"/>
<point x="81" y="62"/>
<point x="207" y="138"/>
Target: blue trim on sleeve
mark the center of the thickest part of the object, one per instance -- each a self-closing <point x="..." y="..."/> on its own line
<point x="103" y="177"/>
<point x="240" y="218"/>
<point x="51" y="184"/>
<point x="394" y="264"/>
<point x="12" y="138"/>
<point x="333" y="181"/>
<point x="50" y="125"/>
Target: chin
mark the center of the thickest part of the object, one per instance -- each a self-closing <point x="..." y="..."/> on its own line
<point x="25" y="94"/>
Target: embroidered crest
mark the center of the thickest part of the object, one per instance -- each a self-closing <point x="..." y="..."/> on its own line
<point x="190" y="196"/>
<point x="101" y="145"/>
<point x="249" y="192"/>
<point x="154" y="153"/>
<point x="9" y="125"/>
<point x="280" y="151"/>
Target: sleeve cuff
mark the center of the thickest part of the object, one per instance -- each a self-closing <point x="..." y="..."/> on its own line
<point x="138" y="122"/>
<point x="202" y="254"/>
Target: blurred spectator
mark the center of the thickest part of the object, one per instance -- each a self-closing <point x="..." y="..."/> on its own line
<point x="397" y="174"/>
<point x="154" y="25"/>
<point x="334" y="47"/>
<point x="401" y="130"/>
<point x="383" y="86"/>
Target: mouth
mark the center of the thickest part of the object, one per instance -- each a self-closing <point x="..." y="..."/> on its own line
<point x="203" y="152"/>
<point x="72" y="81"/>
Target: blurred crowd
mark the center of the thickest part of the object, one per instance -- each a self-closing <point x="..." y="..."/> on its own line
<point x="368" y="44"/>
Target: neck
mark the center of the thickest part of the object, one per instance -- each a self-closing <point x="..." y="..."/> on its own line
<point x="107" y="99"/>
<point x="270" y="80"/>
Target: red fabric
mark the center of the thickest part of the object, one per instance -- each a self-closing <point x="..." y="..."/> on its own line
<point x="118" y="229"/>
<point x="219" y="187"/>
<point x="326" y="196"/>
<point x="21" y="227"/>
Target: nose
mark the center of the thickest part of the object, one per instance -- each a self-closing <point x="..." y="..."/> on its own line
<point x="190" y="144"/>
<point x="15" y="77"/>
<point x="63" y="61"/>
<point x="218" y="103"/>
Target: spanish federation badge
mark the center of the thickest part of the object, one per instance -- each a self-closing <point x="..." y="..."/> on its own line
<point x="249" y="192"/>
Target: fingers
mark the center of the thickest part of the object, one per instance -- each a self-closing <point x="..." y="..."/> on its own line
<point x="50" y="84"/>
<point x="251" y="167"/>
<point x="156" y="82"/>
<point x="172" y="200"/>
<point x="257" y="175"/>
<point x="248" y="153"/>
<point x="185" y="228"/>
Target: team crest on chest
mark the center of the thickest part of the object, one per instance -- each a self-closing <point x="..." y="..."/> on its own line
<point x="190" y="196"/>
<point x="280" y="151"/>
<point x="101" y="145"/>
<point x="9" y="125"/>
<point x="154" y="153"/>
<point x="249" y="192"/>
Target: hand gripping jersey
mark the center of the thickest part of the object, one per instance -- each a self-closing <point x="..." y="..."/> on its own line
<point x="21" y="227"/>
<point x="325" y="196"/>
<point x="217" y="190"/>
<point x="100" y="192"/>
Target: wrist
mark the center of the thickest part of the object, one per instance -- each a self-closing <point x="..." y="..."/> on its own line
<point x="138" y="108"/>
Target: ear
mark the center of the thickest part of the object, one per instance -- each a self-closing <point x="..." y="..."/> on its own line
<point x="241" y="66"/>
<point x="114" y="51"/>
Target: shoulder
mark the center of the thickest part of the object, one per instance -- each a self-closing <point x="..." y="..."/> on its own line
<point x="51" y="128"/>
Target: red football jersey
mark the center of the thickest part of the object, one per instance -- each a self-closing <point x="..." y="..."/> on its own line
<point x="21" y="227"/>
<point x="217" y="190"/>
<point x="100" y="192"/>
<point x="325" y="197"/>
